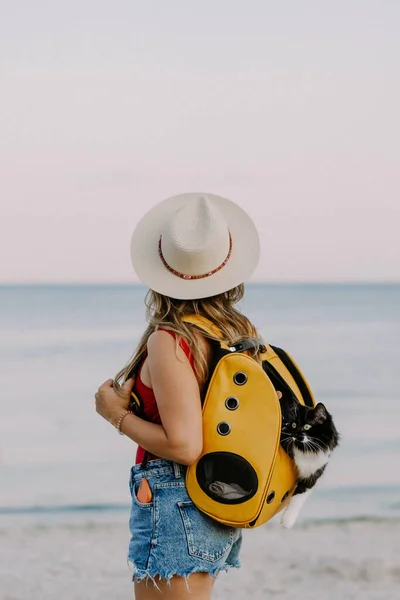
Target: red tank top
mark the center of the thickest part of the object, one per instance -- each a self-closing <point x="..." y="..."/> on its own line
<point x="148" y="398"/>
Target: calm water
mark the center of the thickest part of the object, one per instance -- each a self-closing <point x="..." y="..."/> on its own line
<point x="59" y="461"/>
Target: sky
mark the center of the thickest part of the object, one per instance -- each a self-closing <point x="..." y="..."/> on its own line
<point x="290" y="109"/>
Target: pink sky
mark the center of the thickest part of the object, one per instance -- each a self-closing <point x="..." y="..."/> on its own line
<point x="290" y="109"/>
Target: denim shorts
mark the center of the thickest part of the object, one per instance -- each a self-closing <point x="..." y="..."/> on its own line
<point x="170" y="536"/>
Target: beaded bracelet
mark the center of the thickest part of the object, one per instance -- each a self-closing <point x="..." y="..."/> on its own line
<point x="122" y="417"/>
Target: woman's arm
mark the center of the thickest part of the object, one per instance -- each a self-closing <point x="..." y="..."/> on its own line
<point x="180" y="438"/>
<point x="176" y="389"/>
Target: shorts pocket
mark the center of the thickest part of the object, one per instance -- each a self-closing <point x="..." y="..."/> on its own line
<point x="206" y="538"/>
<point x="134" y="486"/>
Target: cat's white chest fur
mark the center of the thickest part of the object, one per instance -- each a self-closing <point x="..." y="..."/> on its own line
<point x="309" y="462"/>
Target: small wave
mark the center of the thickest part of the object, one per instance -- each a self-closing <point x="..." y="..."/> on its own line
<point x="69" y="508"/>
<point x="64" y="337"/>
<point x="370" y="519"/>
<point x="119" y="507"/>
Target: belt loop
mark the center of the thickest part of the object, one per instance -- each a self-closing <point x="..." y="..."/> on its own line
<point x="177" y="470"/>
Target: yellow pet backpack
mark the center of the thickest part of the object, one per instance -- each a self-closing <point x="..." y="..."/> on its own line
<point x="243" y="476"/>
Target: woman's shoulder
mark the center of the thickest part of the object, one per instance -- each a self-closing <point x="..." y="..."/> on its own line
<point x="165" y="340"/>
<point x="161" y="338"/>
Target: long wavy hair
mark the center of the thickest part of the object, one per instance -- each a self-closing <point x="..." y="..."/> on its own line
<point x="165" y="312"/>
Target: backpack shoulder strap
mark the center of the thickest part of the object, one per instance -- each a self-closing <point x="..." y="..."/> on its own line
<point x="297" y="375"/>
<point x="285" y="374"/>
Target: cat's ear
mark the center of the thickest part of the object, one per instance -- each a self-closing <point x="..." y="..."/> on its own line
<point x="320" y="414"/>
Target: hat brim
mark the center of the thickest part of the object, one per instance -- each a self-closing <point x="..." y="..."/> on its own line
<point x="152" y="272"/>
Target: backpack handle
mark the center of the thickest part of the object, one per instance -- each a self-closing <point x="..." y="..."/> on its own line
<point x="204" y="324"/>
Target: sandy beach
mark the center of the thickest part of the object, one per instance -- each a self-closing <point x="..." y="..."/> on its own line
<point x="330" y="561"/>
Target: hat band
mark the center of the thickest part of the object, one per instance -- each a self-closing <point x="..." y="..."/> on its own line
<point x="182" y="275"/>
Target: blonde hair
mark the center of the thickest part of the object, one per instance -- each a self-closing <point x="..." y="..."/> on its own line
<point x="166" y="313"/>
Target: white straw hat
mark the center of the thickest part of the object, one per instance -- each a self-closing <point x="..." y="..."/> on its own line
<point x="194" y="246"/>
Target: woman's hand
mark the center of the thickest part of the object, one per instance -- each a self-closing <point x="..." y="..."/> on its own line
<point x="111" y="401"/>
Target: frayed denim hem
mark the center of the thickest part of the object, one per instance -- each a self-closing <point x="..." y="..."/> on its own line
<point x="139" y="575"/>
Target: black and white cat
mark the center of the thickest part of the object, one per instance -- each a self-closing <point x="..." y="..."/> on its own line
<point x="309" y="436"/>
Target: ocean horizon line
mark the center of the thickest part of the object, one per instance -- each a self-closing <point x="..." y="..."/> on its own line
<point x="250" y="284"/>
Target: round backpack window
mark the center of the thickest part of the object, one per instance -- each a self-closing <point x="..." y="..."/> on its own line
<point x="223" y="428"/>
<point x="270" y="497"/>
<point x="232" y="403"/>
<point x="240" y="378"/>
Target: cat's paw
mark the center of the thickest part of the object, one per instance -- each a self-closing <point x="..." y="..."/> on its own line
<point x="288" y="519"/>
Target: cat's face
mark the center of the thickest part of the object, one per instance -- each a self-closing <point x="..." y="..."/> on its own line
<point x="307" y="429"/>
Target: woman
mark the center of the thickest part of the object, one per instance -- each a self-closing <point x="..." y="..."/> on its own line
<point x="193" y="251"/>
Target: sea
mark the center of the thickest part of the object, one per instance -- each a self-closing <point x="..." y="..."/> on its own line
<point x="61" y="463"/>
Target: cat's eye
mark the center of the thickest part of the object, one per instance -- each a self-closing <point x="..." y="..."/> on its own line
<point x="307" y="427"/>
<point x="294" y="425"/>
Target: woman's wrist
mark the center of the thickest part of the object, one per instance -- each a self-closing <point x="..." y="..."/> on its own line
<point x="116" y="416"/>
<point x="124" y="421"/>
<point x="121" y="420"/>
